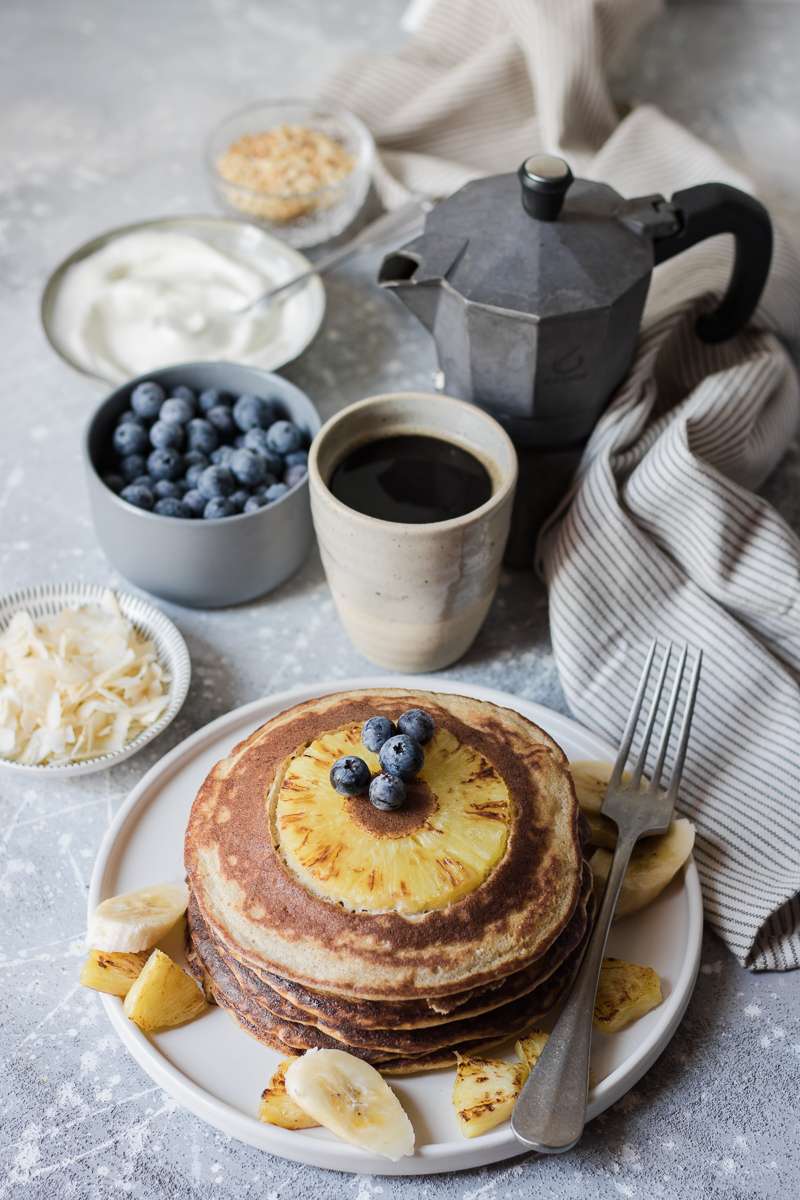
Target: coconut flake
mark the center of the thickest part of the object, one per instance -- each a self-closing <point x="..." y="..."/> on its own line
<point x="76" y="685"/>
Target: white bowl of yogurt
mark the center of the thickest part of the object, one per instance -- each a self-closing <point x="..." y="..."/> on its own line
<point x="148" y="295"/>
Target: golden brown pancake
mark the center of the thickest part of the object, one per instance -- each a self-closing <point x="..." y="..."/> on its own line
<point x="490" y="838"/>
<point x="289" y="1038"/>
<point x="336" y="1016"/>
<point x="235" y="980"/>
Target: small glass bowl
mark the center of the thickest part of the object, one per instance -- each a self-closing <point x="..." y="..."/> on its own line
<point x="303" y="217"/>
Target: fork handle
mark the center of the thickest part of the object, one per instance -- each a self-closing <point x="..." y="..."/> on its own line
<point x="550" y="1113"/>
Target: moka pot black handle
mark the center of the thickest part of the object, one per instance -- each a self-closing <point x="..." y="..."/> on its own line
<point x="703" y="212"/>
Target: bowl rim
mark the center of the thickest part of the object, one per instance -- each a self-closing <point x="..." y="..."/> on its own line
<point x="364" y="160"/>
<point x="171" y="650"/>
<point x="100" y="240"/>
<point x="193" y="522"/>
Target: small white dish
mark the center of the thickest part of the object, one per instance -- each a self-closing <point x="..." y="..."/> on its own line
<point x="218" y="1072"/>
<point x="48" y="599"/>
<point x="240" y="239"/>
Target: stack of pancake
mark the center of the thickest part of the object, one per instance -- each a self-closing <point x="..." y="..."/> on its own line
<point x="449" y="925"/>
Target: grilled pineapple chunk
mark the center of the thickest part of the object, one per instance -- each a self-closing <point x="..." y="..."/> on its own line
<point x="112" y="973"/>
<point x="528" y="1049"/>
<point x="626" y="991"/>
<point x="485" y="1091"/>
<point x="653" y="864"/>
<point x="277" y="1106"/>
<point x="163" y="996"/>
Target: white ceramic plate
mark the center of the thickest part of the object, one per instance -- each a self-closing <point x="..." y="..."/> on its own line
<point x="48" y="599"/>
<point x="219" y="1072"/>
<point x="243" y="241"/>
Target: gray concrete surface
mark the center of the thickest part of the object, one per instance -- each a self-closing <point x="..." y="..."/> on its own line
<point x="104" y="108"/>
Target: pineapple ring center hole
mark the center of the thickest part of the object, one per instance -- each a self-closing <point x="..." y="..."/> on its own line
<point x="419" y="807"/>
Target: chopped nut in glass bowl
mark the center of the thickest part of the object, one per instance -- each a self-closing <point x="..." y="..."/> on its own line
<point x="298" y="168"/>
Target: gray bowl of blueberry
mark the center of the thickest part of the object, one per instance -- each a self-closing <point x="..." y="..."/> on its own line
<point x="197" y="481"/>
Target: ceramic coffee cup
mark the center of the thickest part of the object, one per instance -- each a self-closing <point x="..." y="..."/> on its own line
<point x="412" y="597"/>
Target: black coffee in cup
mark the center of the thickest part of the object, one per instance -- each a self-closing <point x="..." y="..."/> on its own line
<point x="411" y="479"/>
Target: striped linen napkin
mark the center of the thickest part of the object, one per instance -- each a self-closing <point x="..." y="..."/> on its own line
<point x="662" y="533"/>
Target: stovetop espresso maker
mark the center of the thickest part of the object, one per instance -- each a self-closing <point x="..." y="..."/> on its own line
<point x="533" y="286"/>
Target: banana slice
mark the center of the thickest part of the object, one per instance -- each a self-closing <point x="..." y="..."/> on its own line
<point x="591" y="784"/>
<point x="591" y="781"/>
<point x="137" y="920"/>
<point x="349" y="1097"/>
<point x="653" y="864"/>
<point x="602" y="831"/>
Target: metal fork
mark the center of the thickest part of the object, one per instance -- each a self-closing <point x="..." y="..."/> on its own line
<point x="550" y="1113"/>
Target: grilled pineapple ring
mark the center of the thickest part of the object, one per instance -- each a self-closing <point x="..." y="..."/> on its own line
<point x="445" y="842"/>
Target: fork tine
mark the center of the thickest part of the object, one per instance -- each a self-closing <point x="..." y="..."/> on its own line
<point x="651" y="719"/>
<point x="633" y="717"/>
<point x="680" y="754"/>
<point x="667" y="729"/>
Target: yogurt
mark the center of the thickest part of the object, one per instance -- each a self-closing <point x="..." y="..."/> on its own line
<point x="149" y="299"/>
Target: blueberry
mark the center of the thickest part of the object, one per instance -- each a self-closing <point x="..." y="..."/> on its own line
<point x="350" y="776"/>
<point x="222" y="456"/>
<point x="255" y="503"/>
<point x="115" y="482"/>
<point x="182" y="392"/>
<point x="144" y="481"/>
<point x="401" y="755"/>
<point x="417" y="724"/>
<point x="218" y="506"/>
<point x="376" y="731"/>
<point x="194" y="473"/>
<point x="138" y="495"/>
<point x="171" y="506"/>
<point x="129" y="438"/>
<point x="216" y="482"/>
<point x="165" y="464"/>
<point x="274" y="492"/>
<point x="284" y="437"/>
<point x="165" y="435"/>
<point x="293" y="475"/>
<point x="195" y="501"/>
<point x="146" y="399"/>
<point x="240" y="440"/>
<point x="387" y="792"/>
<point x="176" y="411"/>
<point x="296" y="456"/>
<point x="248" y="467"/>
<point x="221" y="418"/>
<point x="130" y="416"/>
<point x="182" y="486"/>
<point x="239" y="498"/>
<point x="194" y="458"/>
<point x="211" y="398"/>
<point x="163" y="488"/>
<point x="131" y="466"/>
<point x="201" y="435"/>
<point x="256" y="439"/>
<point x="250" y="412"/>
